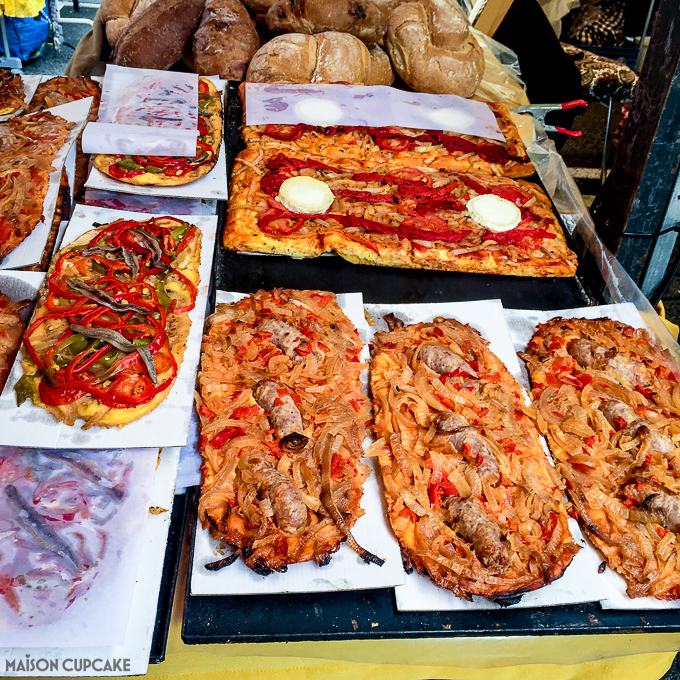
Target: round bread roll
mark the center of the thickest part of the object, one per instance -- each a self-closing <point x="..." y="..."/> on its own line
<point x="360" y="18"/>
<point x="225" y="40"/>
<point x="329" y="57"/>
<point x="432" y="50"/>
<point x="259" y="7"/>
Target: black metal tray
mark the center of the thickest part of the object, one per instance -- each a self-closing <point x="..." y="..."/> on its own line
<point x="351" y="615"/>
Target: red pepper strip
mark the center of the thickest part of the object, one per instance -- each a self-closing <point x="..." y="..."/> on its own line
<point x="474" y="185"/>
<point x="394" y="144"/>
<point x="192" y="291"/>
<point x="76" y="367"/>
<point x="366" y="196"/>
<point x="188" y="237"/>
<point x="58" y="396"/>
<point x="281" y="161"/>
<point x="50" y="352"/>
<point x="578" y="381"/>
<point x="516" y="235"/>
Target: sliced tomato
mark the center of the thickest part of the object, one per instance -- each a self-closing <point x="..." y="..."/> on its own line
<point x="431" y="223"/>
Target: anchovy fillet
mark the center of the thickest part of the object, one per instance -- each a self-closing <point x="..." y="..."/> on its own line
<point x="119" y="342"/>
<point x="37" y="527"/>
<point x="87" y="469"/>
<point x="102" y="298"/>
<point x="150" y="244"/>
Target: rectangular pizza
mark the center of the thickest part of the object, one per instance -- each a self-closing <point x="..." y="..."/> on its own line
<point x="283" y="417"/>
<point x="608" y="401"/>
<point x="407" y="217"/>
<point x="470" y="494"/>
<point x="395" y="147"/>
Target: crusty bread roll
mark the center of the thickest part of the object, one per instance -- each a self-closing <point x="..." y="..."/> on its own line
<point x="361" y="18"/>
<point x="431" y="48"/>
<point x="259" y="7"/>
<point x="157" y="37"/>
<point x="329" y="57"/>
<point x="225" y="40"/>
<point x="115" y="15"/>
<point x="380" y="67"/>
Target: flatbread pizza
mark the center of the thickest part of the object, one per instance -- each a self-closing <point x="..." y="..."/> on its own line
<point x="174" y="170"/>
<point x="111" y="323"/>
<point x="11" y="92"/>
<point x="470" y="494"/>
<point x="608" y="401"/>
<point x="407" y="217"/>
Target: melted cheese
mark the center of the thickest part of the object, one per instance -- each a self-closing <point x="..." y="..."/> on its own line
<point x="305" y="195"/>
<point x="493" y="212"/>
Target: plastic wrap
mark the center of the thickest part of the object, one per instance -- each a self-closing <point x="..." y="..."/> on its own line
<point x="137" y="101"/>
<point x="619" y="287"/>
<point x="502" y="81"/>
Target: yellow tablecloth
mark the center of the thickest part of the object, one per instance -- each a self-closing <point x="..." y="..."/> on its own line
<point x="22" y="8"/>
<point x="563" y="657"/>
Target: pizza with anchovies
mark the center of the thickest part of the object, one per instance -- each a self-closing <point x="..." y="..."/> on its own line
<point x="111" y="323"/>
<point x="396" y="147"/>
<point x="282" y="417"/>
<point x="608" y="400"/>
<point x="470" y="493"/>
<point x="174" y="170"/>
<point x="405" y="218"/>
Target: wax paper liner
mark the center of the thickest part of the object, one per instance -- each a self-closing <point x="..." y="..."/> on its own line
<point x="374" y="106"/>
<point x="346" y="571"/>
<point x="139" y="633"/>
<point x="109" y="597"/>
<point x="168" y="423"/>
<point x="135" y="104"/>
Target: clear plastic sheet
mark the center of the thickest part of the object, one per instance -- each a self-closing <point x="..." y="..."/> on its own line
<point x="619" y="287"/>
<point x="137" y="101"/>
<point x="502" y="81"/>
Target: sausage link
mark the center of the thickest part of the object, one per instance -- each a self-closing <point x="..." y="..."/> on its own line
<point x="284" y="415"/>
<point x="443" y="360"/>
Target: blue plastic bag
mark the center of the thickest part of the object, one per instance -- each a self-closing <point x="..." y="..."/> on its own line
<point x="27" y="37"/>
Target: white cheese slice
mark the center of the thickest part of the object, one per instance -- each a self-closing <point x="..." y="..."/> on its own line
<point x="493" y="212"/>
<point x="305" y="195"/>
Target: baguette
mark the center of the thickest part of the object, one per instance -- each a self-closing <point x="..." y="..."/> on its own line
<point x="225" y="40"/>
<point x="156" y="38"/>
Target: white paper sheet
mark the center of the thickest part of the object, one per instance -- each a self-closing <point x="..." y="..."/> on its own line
<point x="522" y="324"/>
<point x="166" y="425"/>
<point x="212" y="185"/>
<point x="109" y="597"/>
<point x="374" y="106"/>
<point x="135" y="104"/>
<point x="346" y="571"/>
<point x="132" y="656"/>
<point x="419" y="593"/>
<point x="31" y="249"/>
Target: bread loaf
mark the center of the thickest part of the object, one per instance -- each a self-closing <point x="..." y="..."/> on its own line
<point x="225" y="40"/>
<point x="259" y="7"/>
<point x="431" y="48"/>
<point x="329" y="57"/>
<point x="115" y="15"/>
<point x="157" y="37"/>
<point x="360" y="18"/>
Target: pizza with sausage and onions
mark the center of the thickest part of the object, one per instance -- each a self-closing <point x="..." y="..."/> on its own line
<point x="283" y="417"/>
<point x="407" y="217"/>
<point x="111" y="323"/>
<point x="608" y="400"/>
<point x="397" y="147"/>
<point x="28" y="146"/>
<point x="174" y="170"/>
<point x="470" y="493"/>
<point x="63" y="90"/>
<point x="11" y="92"/>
